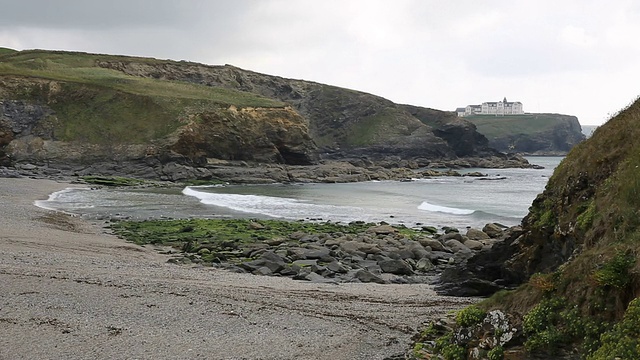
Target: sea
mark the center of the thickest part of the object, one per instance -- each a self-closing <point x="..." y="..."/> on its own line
<point x="502" y="196"/>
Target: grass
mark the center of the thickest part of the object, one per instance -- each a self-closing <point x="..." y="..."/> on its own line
<point x="6" y="51"/>
<point x="493" y="127"/>
<point x="107" y="107"/>
<point x="82" y="73"/>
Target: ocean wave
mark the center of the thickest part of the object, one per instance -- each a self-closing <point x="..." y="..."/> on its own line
<point x="444" y="209"/>
<point x="272" y="206"/>
<point x="61" y="201"/>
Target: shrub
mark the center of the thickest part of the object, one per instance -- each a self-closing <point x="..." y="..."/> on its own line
<point x="543" y="282"/>
<point x="623" y="341"/>
<point x="540" y="325"/>
<point x="470" y="316"/>
<point x="497" y="353"/>
<point x="585" y="220"/>
<point x="615" y="272"/>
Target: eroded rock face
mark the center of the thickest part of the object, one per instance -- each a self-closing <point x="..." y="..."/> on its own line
<point x="251" y="134"/>
<point x="31" y="131"/>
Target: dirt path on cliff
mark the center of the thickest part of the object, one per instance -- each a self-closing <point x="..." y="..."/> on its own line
<point x="70" y="291"/>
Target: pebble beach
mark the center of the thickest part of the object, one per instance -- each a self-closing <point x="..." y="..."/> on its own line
<point x="71" y="290"/>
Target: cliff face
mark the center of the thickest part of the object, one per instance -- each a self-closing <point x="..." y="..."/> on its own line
<point x="68" y="115"/>
<point x="532" y="134"/>
<point x="72" y="109"/>
<point x="342" y="122"/>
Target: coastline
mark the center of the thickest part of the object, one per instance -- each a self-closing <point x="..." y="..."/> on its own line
<point x="72" y="291"/>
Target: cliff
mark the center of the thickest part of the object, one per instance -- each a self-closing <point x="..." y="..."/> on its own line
<point x="343" y="122"/>
<point x="574" y="264"/>
<point x="96" y="113"/>
<point x="531" y="134"/>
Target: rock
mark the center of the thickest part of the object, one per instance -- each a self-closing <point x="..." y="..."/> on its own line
<point x="337" y="267"/>
<point x="367" y="277"/>
<point x="493" y="230"/>
<point x="263" y="271"/>
<point x="297" y="235"/>
<point x="290" y="270"/>
<point x="474" y="244"/>
<point x="305" y="263"/>
<point x="273" y="257"/>
<point x="432" y="243"/>
<point x="456" y="246"/>
<point x="419" y="252"/>
<point x="451" y="236"/>
<point x="475" y="234"/>
<point x="309" y="239"/>
<point x="397" y="267"/>
<point x="316" y="278"/>
<point x="274" y="266"/>
<point x="467" y="287"/>
<point x="424" y="265"/>
<point x="256" y="226"/>
<point x="355" y="246"/>
<point x="382" y="230"/>
<point x="474" y="174"/>
<point x="430" y="229"/>
<point x="370" y="265"/>
<point x="321" y="253"/>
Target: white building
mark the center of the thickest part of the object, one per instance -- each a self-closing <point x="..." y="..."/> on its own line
<point x="503" y="107"/>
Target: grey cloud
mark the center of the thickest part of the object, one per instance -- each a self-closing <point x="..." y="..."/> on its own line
<point x="113" y="14"/>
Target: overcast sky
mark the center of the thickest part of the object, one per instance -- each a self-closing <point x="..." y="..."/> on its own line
<point x="577" y="57"/>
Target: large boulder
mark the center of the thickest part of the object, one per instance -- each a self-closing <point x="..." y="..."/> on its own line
<point x="397" y="267"/>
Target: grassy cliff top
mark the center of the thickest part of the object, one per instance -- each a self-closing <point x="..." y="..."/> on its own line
<point x="493" y="126"/>
<point x="83" y="68"/>
<point x="6" y="51"/>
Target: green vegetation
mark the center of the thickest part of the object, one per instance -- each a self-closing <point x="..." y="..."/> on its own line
<point x="494" y="126"/>
<point x="470" y="316"/>
<point x="585" y="219"/>
<point x="623" y="341"/>
<point x="218" y="231"/>
<point x="103" y="106"/>
<point x="374" y="128"/>
<point x="497" y="353"/>
<point x="615" y="272"/>
<point x="6" y="51"/>
<point x="84" y="69"/>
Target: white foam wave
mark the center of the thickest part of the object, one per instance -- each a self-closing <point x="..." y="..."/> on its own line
<point x="444" y="209"/>
<point x="56" y="200"/>
<point x="274" y="206"/>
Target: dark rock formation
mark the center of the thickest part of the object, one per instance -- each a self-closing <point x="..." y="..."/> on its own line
<point x="532" y="134"/>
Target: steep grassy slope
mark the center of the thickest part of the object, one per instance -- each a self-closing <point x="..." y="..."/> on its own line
<point x="578" y="253"/>
<point x="74" y="106"/>
<point x="531" y="133"/>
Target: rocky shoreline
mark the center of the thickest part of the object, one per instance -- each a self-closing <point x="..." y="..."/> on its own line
<point x="241" y="172"/>
<point x="322" y="252"/>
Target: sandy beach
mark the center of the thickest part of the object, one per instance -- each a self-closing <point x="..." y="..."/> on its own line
<point x="69" y="290"/>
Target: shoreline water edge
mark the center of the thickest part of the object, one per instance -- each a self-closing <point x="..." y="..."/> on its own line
<point x="340" y="242"/>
